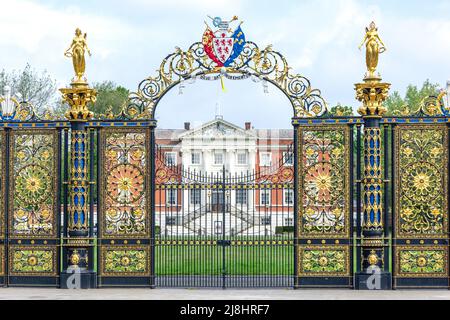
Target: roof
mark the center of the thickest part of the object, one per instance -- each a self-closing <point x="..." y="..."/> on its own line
<point x="176" y="134"/>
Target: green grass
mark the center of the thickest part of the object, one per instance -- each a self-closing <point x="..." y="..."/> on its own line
<point x="239" y="260"/>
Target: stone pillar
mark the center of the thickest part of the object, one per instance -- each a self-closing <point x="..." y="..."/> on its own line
<point x="372" y="93"/>
<point x="78" y="270"/>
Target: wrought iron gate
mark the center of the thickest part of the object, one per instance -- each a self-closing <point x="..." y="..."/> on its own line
<point x="224" y="230"/>
<point x="421" y="202"/>
<point x="125" y="207"/>
<point x="30" y="194"/>
<point x="325" y="210"/>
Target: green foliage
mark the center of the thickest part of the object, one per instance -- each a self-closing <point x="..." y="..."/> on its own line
<point x="284" y="229"/>
<point x="109" y="95"/>
<point x="28" y="85"/>
<point x="413" y="97"/>
<point x="341" y="111"/>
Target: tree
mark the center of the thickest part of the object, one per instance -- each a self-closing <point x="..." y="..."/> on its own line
<point x="109" y="95"/>
<point x="413" y="97"/>
<point x="28" y="85"/>
<point x="341" y="111"/>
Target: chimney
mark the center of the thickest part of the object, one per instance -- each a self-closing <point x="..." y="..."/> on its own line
<point x="187" y="126"/>
<point x="248" y="125"/>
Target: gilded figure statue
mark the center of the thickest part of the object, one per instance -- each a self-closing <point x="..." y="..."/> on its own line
<point x="374" y="46"/>
<point x="76" y="51"/>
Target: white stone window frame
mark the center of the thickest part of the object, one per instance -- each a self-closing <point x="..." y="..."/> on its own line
<point x="288" y="222"/>
<point x="175" y="192"/>
<point x="217" y="153"/>
<point x="240" y="153"/>
<point x="171" y="153"/>
<point x="265" y="191"/>
<point x="285" y="192"/>
<point x="193" y="195"/>
<point x="244" y="193"/>
<point x="261" y="157"/>
<point x="199" y="158"/>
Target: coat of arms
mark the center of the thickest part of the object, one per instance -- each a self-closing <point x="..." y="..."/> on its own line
<point x="224" y="44"/>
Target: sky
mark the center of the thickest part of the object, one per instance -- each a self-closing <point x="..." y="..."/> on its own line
<point x="319" y="39"/>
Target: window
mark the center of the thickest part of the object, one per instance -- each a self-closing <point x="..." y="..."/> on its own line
<point x="218" y="227"/>
<point x="288" y="197"/>
<point x="265" y="221"/>
<point x="195" y="158"/>
<point x="171" y="197"/>
<point x="241" y="196"/>
<point x="265" y="159"/>
<point x="265" y="197"/>
<point x="170" y="158"/>
<point x="289" y="222"/>
<point x="195" y="196"/>
<point x="242" y="158"/>
<point x="288" y="158"/>
<point x="171" y="221"/>
<point x="218" y="158"/>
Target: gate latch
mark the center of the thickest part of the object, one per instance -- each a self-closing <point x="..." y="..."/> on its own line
<point x="224" y="243"/>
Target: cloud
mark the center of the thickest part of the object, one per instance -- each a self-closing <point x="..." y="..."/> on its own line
<point x="319" y="39"/>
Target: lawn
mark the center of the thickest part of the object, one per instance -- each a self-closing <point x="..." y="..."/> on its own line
<point x="239" y="260"/>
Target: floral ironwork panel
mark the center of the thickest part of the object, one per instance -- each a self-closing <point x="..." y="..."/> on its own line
<point x="324" y="261"/>
<point x="324" y="181"/>
<point x="33" y="159"/>
<point x="32" y="261"/>
<point x="421" y="262"/>
<point x="422" y="181"/>
<point x="125" y="187"/>
<point x="130" y="261"/>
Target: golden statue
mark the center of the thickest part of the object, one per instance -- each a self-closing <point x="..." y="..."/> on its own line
<point x="76" y="52"/>
<point x="374" y="46"/>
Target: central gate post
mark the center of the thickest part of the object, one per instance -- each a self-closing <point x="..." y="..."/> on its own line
<point x="372" y="93"/>
<point x="77" y="246"/>
<point x="78" y="270"/>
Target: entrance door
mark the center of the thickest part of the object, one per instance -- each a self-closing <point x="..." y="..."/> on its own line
<point x="217" y="201"/>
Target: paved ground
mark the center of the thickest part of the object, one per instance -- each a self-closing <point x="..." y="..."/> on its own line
<point x="206" y="294"/>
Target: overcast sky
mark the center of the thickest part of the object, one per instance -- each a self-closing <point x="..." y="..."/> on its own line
<point x="319" y="39"/>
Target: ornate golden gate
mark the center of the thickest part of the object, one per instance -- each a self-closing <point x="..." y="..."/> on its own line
<point x="421" y="155"/>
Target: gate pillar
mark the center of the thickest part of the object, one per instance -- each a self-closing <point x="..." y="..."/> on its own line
<point x="373" y="273"/>
<point x="78" y="246"/>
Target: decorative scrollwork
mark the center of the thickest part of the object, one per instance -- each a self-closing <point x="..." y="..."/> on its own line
<point x="33" y="202"/>
<point x="324" y="185"/>
<point x="421" y="261"/>
<point x="125" y="261"/>
<point x="431" y="106"/>
<point x="317" y="261"/>
<point x="265" y="64"/>
<point x="39" y="261"/>
<point x="125" y="190"/>
<point x="422" y="190"/>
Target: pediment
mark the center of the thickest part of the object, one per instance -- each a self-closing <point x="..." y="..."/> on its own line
<point x="218" y="128"/>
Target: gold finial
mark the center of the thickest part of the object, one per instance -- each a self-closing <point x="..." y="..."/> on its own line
<point x="76" y="51"/>
<point x="80" y="95"/>
<point x="374" y="46"/>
